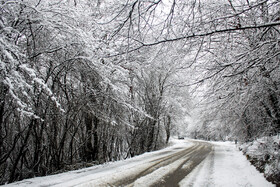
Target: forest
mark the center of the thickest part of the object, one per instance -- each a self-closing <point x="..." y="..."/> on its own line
<point x="87" y="82"/>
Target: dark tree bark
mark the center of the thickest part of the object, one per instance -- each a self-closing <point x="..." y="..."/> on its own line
<point x="3" y="92"/>
<point x="88" y="149"/>
<point x="167" y="128"/>
<point x="151" y="133"/>
<point x="95" y="138"/>
<point x="12" y="176"/>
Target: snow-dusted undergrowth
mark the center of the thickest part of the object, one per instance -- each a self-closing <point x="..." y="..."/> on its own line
<point x="264" y="153"/>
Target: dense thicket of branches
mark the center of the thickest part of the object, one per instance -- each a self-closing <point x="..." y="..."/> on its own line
<point x="233" y="50"/>
<point x="242" y="73"/>
<point x="63" y="103"/>
<point x="84" y="81"/>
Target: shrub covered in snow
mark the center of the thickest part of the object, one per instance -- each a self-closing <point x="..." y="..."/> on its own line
<point x="264" y="154"/>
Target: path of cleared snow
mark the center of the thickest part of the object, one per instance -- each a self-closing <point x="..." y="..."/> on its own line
<point x="225" y="166"/>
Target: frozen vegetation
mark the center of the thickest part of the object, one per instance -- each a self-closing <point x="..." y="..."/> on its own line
<point x="85" y="82"/>
<point x="264" y="154"/>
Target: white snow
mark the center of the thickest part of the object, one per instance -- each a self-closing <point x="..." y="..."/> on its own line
<point x="31" y="72"/>
<point x="103" y="175"/>
<point x="157" y="175"/>
<point x="265" y="148"/>
<point x="225" y="166"/>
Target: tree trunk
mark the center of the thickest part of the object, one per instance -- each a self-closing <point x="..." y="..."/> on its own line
<point x="167" y="129"/>
<point x="275" y="111"/>
<point x="88" y="149"/>
<point x="151" y="135"/>
<point x="3" y="93"/>
<point x="95" y="138"/>
<point x="12" y="177"/>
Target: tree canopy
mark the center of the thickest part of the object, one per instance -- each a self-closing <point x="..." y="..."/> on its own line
<point x="94" y="81"/>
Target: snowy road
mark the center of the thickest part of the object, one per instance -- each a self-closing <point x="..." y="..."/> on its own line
<point x="187" y="163"/>
<point x="168" y="169"/>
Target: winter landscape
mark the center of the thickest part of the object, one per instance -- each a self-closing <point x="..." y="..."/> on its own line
<point x="140" y="93"/>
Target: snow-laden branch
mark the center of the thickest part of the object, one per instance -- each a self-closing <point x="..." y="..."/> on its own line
<point x="197" y="35"/>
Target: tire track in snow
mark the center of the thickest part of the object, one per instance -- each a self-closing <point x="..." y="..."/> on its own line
<point x="156" y="164"/>
<point x="186" y="167"/>
<point x="205" y="169"/>
<point x="168" y="170"/>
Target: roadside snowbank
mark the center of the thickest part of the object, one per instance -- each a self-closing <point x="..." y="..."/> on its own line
<point x="102" y="175"/>
<point x="225" y="166"/>
<point x="264" y="153"/>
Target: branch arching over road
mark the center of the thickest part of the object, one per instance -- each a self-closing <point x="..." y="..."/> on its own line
<point x="196" y="35"/>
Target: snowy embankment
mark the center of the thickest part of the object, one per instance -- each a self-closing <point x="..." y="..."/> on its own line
<point x="103" y="175"/>
<point x="264" y="153"/>
<point x="225" y="166"/>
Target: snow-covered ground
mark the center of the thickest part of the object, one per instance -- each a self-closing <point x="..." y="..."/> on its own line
<point x="103" y="175"/>
<point x="224" y="166"/>
<point x="264" y="152"/>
